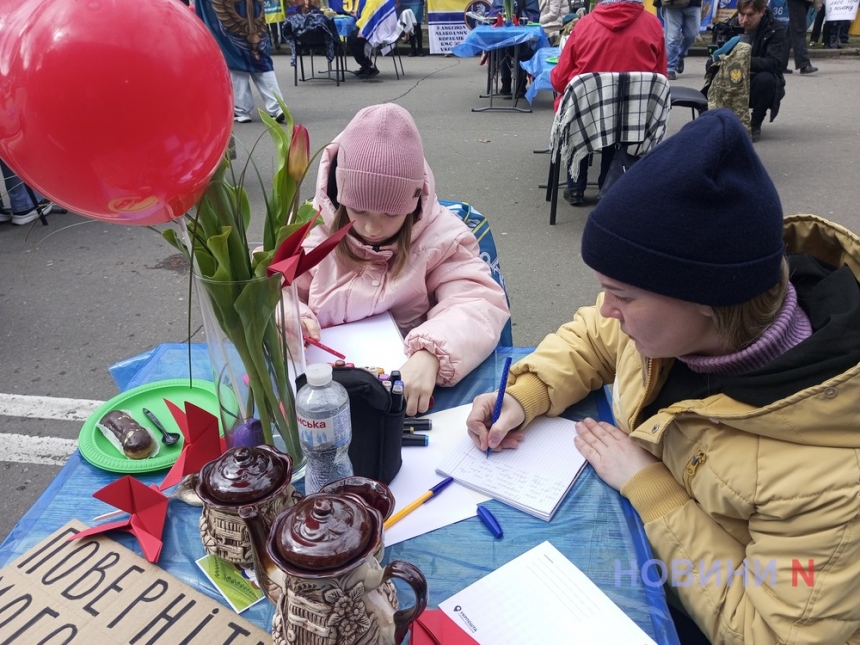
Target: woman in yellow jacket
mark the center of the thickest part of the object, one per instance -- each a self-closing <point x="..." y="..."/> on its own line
<point x="731" y="339"/>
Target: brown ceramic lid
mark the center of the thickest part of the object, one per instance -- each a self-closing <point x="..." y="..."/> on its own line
<point x="374" y="493"/>
<point x="243" y="475"/>
<point x="325" y="532"/>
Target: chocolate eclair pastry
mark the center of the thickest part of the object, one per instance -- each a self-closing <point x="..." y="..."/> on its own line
<point x="136" y="442"/>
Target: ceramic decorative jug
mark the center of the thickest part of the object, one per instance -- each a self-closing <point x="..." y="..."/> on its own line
<point x="317" y="564"/>
<point x="259" y="477"/>
<point x="374" y="493"/>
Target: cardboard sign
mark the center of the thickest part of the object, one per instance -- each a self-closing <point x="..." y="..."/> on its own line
<point x="840" y="10"/>
<point x="94" y="590"/>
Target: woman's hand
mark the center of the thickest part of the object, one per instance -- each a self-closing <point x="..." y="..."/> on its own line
<point x="419" y="379"/>
<point x="614" y="455"/>
<point x="499" y="435"/>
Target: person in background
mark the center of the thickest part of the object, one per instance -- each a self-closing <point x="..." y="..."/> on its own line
<point x="682" y="26"/>
<point x="729" y="336"/>
<point x="361" y="50"/>
<point x="836" y="33"/>
<point x="23" y="208"/>
<point x="617" y="36"/>
<point x="797" y="11"/>
<point x="414" y="35"/>
<point x="768" y="58"/>
<point x="405" y="254"/>
<point x="377" y="24"/>
<point x="552" y="13"/>
<point x="246" y="46"/>
<point x="530" y="10"/>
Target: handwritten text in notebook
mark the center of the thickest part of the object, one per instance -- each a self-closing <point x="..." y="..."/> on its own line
<point x="533" y="478"/>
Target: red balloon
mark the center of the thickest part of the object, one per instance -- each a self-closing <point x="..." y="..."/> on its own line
<point x="118" y="110"/>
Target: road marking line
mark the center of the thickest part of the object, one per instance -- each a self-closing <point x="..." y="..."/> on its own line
<point x="46" y="407"/>
<point x="22" y="449"/>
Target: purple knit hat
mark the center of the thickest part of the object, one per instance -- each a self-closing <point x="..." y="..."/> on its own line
<point x="380" y="164"/>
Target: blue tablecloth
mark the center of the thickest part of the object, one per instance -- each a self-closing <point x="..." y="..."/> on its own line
<point x="594" y="527"/>
<point x="486" y="38"/>
<point x="345" y="25"/>
<point x="540" y="69"/>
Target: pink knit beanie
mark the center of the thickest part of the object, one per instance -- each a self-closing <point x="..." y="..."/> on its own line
<point x="380" y="164"/>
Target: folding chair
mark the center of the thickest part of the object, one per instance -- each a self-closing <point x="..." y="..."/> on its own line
<point x="680" y="96"/>
<point x="480" y="227"/>
<point x="390" y="48"/>
<point x="310" y="34"/>
<point x="586" y="120"/>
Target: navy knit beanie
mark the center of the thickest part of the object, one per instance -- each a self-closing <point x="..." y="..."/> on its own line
<point x="697" y="218"/>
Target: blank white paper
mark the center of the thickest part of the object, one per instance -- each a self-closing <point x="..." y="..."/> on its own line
<point x="373" y="341"/>
<point x="541" y="597"/>
<point x="418" y="475"/>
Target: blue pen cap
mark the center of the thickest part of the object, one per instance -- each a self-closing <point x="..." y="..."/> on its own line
<point x="490" y="521"/>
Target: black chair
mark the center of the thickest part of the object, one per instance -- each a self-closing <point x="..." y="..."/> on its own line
<point x="390" y="48"/>
<point x="679" y="96"/>
<point x="312" y="34"/>
<point x="587" y="98"/>
<point x="688" y="97"/>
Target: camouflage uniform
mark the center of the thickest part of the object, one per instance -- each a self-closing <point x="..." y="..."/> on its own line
<point x="730" y="84"/>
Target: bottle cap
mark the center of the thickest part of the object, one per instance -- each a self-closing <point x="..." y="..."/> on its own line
<point x="318" y="374"/>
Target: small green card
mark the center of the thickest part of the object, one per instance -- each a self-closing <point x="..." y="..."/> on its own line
<point x="230" y="580"/>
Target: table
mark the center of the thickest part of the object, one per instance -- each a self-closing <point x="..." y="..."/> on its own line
<point x="496" y="40"/>
<point x="345" y="26"/>
<point x="540" y="69"/>
<point x="596" y="528"/>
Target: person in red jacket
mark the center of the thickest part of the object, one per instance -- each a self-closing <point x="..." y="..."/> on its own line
<point x="617" y="36"/>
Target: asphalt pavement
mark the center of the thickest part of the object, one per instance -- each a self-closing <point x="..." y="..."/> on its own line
<point x="79" y="295"/>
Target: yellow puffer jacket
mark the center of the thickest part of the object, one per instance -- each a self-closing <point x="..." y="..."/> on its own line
<point x="777" y="487"/>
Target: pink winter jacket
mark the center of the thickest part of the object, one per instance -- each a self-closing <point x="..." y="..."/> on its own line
<point x="444" y="299"/>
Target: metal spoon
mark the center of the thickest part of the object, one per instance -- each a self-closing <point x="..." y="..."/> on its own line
<point x="168" y="438"/>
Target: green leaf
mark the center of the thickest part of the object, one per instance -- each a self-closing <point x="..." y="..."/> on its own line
<point x="169" y="234"/>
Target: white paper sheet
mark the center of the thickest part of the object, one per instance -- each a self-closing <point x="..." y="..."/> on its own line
<point x="541" y="597"/>
<point x="418" y="475"/>
<point x="373" y="341"/>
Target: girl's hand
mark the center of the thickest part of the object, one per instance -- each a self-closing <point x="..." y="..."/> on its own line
<point x="311" y="328"/>
<point x="499" y="436"/>
<point x="614" y="455"/>
<point x="419" y="379"/>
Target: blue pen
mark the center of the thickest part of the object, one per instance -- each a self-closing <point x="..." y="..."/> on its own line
<point x="500" y="398"/>
<point x="490" y="521"/>
<point x="430" y="494"/>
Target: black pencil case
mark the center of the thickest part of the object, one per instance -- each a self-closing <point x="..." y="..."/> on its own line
<point x="377" y="429"/>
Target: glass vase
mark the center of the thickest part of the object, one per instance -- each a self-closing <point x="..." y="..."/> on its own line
<point x="254" y="335"/>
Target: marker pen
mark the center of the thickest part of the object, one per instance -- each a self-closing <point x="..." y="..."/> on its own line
<point x="416" y="440"/>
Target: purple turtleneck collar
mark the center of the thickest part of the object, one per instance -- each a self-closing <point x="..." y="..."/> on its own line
<point x="790" y="328"/>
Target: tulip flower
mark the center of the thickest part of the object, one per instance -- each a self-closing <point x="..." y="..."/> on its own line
<point x="300" y="152"/>
<point x="243" y="305"/>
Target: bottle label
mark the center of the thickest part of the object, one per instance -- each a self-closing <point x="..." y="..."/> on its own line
<point x="330" y="431"/>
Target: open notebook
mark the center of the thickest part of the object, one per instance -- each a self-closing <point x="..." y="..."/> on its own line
<point x="533" y="478"/>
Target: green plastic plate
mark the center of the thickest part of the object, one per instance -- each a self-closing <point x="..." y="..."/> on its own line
<point x="101" y="453"/>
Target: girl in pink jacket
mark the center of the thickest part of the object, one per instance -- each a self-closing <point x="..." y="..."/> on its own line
<point x="405" y="254"/>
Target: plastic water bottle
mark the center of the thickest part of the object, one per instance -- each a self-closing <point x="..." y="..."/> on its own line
<point x="325" y="430"/>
